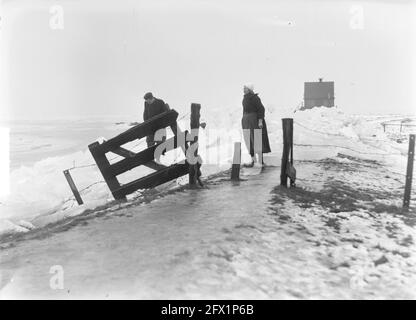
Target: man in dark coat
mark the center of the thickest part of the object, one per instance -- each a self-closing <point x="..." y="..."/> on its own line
<point x="253" y="118"/>
<point x="153" y="107"/>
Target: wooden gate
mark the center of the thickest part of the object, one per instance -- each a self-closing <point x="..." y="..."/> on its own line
<point x="146" y="157"/>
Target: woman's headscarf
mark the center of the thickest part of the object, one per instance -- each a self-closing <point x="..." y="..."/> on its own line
<point x="249" y="86"/>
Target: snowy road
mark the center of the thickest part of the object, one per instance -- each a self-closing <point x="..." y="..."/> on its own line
<point x="233" y="240"/>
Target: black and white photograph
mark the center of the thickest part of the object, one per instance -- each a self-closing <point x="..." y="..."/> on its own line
<point x="207" y="150"/>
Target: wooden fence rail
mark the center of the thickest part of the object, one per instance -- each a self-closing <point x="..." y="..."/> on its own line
<point x="401" y="125"/>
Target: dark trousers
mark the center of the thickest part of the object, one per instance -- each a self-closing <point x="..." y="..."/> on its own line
<point x="150" y="139"/>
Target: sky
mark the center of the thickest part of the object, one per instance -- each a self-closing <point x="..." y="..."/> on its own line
<point x="73" y="59"/>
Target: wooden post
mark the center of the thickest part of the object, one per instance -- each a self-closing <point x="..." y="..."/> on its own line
<point x="409" y="173"/>
<point x="103" y="164"/>
<point x="194" y="169"/>
<point x="287" y="125"/>
<point x="235" y="169"/>
<point x="73" y="187"/>
<point x="292" y="174"/>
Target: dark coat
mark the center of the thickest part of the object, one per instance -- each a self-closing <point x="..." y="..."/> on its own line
<point x="151" y="110"/>
<point x="252" y="104"/>
<point x="157" y="107"/>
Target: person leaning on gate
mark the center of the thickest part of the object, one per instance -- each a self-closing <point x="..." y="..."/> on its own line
<point x="152" y="107"/>
<point x="253" y="119"/>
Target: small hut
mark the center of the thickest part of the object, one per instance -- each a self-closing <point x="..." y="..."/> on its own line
<point x="318" y="94"/>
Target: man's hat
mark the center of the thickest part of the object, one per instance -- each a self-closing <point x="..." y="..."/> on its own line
<point x="148" y="95"/>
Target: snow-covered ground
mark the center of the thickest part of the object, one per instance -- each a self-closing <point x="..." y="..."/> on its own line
<point x="339" y="234"/>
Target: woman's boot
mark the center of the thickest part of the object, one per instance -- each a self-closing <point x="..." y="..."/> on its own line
<point x="251" y="164"/>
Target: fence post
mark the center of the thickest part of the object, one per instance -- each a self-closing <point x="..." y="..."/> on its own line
<point x="235" y="169"/>
<point x="73" y="187"/>
<point x="194" y="169"/>
<point x="287" y="124"/>
<point x="409" y="173"/>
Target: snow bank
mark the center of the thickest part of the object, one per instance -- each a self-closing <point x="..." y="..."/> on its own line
<point x="355" y="135"/>
<point x="39" y="193"/>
